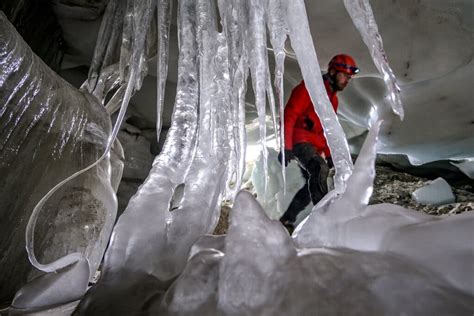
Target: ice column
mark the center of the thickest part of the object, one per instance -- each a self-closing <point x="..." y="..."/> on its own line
<point x="363" y="18"/>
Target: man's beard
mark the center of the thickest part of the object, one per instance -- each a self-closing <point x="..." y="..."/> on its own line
<point x="340" y="88"/>
<point x="334" y="84"/>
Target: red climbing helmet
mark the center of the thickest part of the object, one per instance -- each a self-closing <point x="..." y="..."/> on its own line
<point x="344" y="63"/>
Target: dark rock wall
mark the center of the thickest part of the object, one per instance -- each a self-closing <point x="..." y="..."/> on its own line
<point x="36" y="22"/>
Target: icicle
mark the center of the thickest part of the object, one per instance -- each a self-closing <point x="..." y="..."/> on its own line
<point x="271" y="102"/>
<point x="233" y="22"/>
<point x="278" y="35"/>
<point x="302" y="43"/>
<point x="148" y="228"/>
<point x="259" y="70"/>
<point x="164" y="8"/>
<point x="200" y="174"/>
<point x="363" y="18"/>
<point x="108" y="41"/>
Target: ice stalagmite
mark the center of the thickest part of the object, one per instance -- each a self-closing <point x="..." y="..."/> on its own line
<point x="348" y="221"/>
<point x="302" y="43"/>
<point x="363" y="18"/>
<point x="256" y="269"/>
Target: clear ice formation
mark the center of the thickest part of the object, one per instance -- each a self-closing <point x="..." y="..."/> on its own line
<point x="361" y="14"/>
<point x="302" y="44"/>
<point x="164" y="10"/>
<point x="345" y="258"/>
<point x="348" y="222"/>
<point x="197" y="146"/>
<point x="437" y="192"/>
<point x="258" y="269"/>
<point x="47" y="122"/>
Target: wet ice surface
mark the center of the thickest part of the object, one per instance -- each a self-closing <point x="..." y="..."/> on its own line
<point x="49" y="131"/>
<point x="436" y="193"/>
<point x="345" y="258"/>
<point x="364" y="259"/>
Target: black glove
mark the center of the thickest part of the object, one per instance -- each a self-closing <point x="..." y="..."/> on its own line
<point x="288" y="156"/>
<point x="329" y="161"/>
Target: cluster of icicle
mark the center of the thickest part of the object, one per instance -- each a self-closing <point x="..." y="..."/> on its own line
<point x="377" y="267"/>
<point x="202" y="160"/>
<point x="161" y="236"/>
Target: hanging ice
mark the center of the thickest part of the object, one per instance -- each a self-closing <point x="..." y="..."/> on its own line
<point x="190" y="155"/>
<point x="159" y="259"/>
<point x="363" y="18"/>
<point x="302" y="44"/>
<point x="278" y="33"/>
<point x="164" y="9"/>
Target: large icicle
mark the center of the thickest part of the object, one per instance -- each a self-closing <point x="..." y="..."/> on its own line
<point x="233" y="20"/>
<point x="302" y="44"/>
<point x="259" y="69"/>
<point x="150" y="206"/>
<point x="164" y="8"/>
<point x="278" y="34"/>
<point x="361" y="14"/>
<point x="180" y="199"/>
<point x="104" y="72"/>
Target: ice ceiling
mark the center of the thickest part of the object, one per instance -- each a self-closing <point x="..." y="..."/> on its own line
<point x="347" y="257"/>
<point x="430" y="49"/>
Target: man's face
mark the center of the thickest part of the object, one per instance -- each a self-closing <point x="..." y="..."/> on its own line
<point x="342" y="80"/>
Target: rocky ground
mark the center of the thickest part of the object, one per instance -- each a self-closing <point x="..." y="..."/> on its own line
<point x="396" y="187"/>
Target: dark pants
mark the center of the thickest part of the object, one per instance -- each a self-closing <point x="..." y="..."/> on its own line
<point x="315" y="170"/>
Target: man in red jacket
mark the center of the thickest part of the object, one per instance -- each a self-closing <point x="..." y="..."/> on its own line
<point x="304" y="136"/>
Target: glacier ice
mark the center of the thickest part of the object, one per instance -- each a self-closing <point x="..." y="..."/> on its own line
<point x="436" y="192"/>
<point x="302" y="44"/>
<point x="347" y="221"/>
<point x="47" y="122"/>
<point x="346" y="257"/>
<point x="363" y="18"/>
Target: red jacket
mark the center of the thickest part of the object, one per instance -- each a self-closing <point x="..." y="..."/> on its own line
<point x="302" y="125"/>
